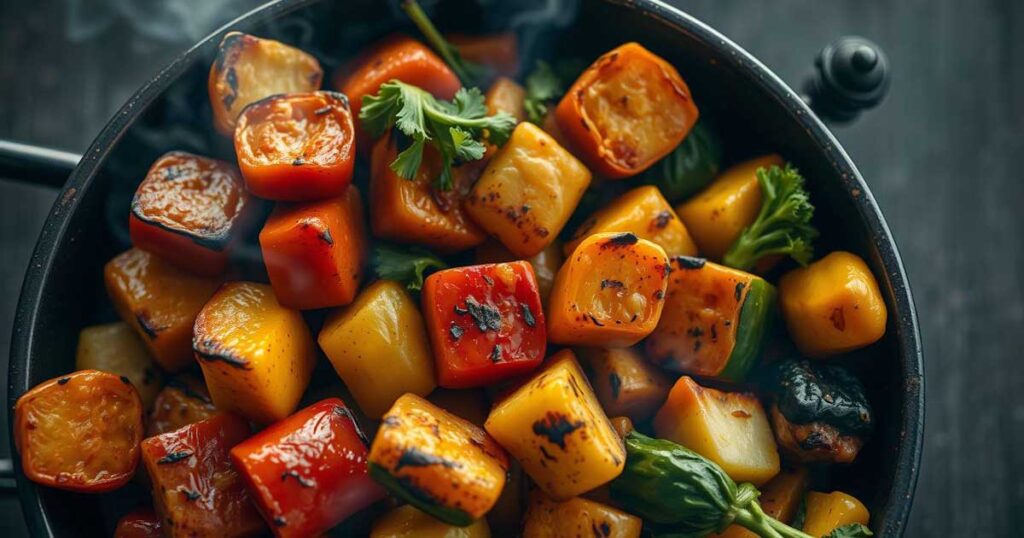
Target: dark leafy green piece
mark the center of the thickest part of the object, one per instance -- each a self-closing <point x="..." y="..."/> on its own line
<point x="690" y="167"/>
<point x="853" y="530"/>
<point x="807" y="392"/>
<point x="470" y="73"/>
<point x="408" y="266"/>
<point x="543" y="87"/>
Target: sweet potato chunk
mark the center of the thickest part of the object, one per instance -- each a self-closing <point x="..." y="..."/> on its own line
<point x="644" y="212"/>
<point x="577" y="517"/>
<point x="625" y="382"/>
<point x="183" y="401"/>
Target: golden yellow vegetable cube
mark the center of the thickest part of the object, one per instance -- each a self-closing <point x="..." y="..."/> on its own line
<point x="827" y="512"/>
<point x="577" y="517"/>
<point x="716" y="216"/>
<point x="554" y="425"/>
<point x="409" y="522"/>
<point x="625" y="382"/>
<point x="833" y="305"/>
<point x="644" y="212"/>
<point x="379" y="347"/>
<point x="779" y="498"/>
<point x="505" y="95"/>
<point x="528" y="191"/>
<point x="545" y="263"/>
<point x="116" y="348"/>
<point x="729" y="428"/>
<point x="257" y="356"/>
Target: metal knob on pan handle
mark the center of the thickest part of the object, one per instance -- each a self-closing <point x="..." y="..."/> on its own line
<point x="851" y="75"/>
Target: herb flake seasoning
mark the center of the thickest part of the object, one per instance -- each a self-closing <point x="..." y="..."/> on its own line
<point x="496" y="354"/>
<point x="528" y="315"/>
<point x="486" y="317"/>
<point x="455" y="331"/>
<point x="174" y="457"/>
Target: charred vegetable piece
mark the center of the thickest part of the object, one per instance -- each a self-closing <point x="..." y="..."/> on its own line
<point x="79" y="432"/>
<point x="140" y="523"/>
<point x="729" y="428"/>
<point x="833" y="305"/>
<point x="555" y="427"/>
<point x="410" y="522"/>
<point x="183" y="401"/>
<point x="505" y="95"/>
<point x="779" y="499"/>
<point x="629" y="109"/>
<point x="196" y="490"/>
<point x="821" y="412"/>
<point x="307" y="472"/>
<point x="528" y="191"/>
<point x="625" y="383"/>
<point x="188" y="210"/>
<point x="248" y="68"/>
<point x="622" y="425"/>
<point x="545" y="263"/>
<point x="437" y="462"/>
<point x="643" y="212"/>
<point x="499" y="53"/>
<point x="576" y="517"/>
<point x="830" y="512"/>
<point x="115" y="348"/>
<point x="379" y="347"/>
<point x="715" y="320"/>
<point x="316" y="252"/>
<point x="297" y="147"/>
<point x="609" y="292"/>
<point x="257" y="356"/>
<point x="717" y="215"/>
<point x="485" y="322"/>
<point x="415" y="210"/>
<point x="690" y="167"/>
<point x="159" y="301"/>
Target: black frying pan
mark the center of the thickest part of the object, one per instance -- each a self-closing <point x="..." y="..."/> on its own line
<point x="753" y="108"/>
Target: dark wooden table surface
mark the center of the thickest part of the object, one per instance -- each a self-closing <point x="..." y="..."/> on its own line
<point x="941" y="156"/>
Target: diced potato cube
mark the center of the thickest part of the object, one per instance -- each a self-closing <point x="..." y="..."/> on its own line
<point x="827" y="512"/>
<point x="729" y="428"/>
<point x="410" y="522"/>
<point x="577" y="517"/>
<point x="257" y="356"/>
<point x="779" y="499"/>
<point x="528" y="191"/>
<point x="554" y="425"/>
<point x="644" y="212"/>
<point x="625" y="383"/>
<point x="115" y="348"/>
<point x="183" y="401"/>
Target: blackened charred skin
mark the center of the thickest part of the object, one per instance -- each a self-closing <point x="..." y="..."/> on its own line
<point x="615" y="382"/>
<point x="739" y="290"/>
<point x="347" y="413"/>
<point x="63" y="380"/>
<point x="547" y="455"/>
<point x="191" y="495"/>
<point x="556" y="427"/>
<point x="174" y="457"/>
<point x="662" y="219"/>
<point x="659" y="294"/>
<point x="151" y="329"/>
<point x="299" y="161"/>
<point x="322" y="110"/>
<point x="227" y="46"/>
<point x="690" y="262"/>
<point x="608" y="283"/>
<point x="232" y="80"/>
<point x="302" y="481"/>
<point x="211" y="351"/>
<point x="325" y="236"/>
<point x="280" y="521"/>
<point x="621" y="240"/>
<point x="496" y="354"/>
<point x="528" y="317"/>
<point x="342" y="98"/>
<point x="594" y="320"/>
<point x="456" y="332"/>
<point x="414" y="457"/>
<point x="601" y="531"/>
<point x="486" y="317"/>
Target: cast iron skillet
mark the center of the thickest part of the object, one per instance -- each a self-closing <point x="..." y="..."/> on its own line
<point x="753" y="108"/>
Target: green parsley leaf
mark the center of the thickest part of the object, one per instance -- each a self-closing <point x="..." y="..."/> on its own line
<point x="853" y="530"/>
<point x="543" y="87"/>
<point x="407" y="266"/>
<point x="470" y="73"/>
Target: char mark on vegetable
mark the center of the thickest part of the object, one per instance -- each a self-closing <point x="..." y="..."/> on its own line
<point x="662" y="219"/>
<point x="615" y="382"/>
<point x="594" y="320"/>
<point x="496" y="354"/>
<point x="174" y="457"/>
<point x="322" y="110"/>
<point x="690" y="262"/>
<point x="209" y="351"/>
<point x="302" y="481"/>
<point x="190" y="494"/>
<point x="556" y="427"/>
<point x="414" y="457"/>
<point x="280" y="521"/>
<point x="528" y="315"/>
<point x="63" y="380"/>
<point x="608" y="283"/>
<point x="739" y="290"/>
<point x="455" y="331"/>
<point x="621" y="240"/>
<point x="147" y="325"/>
<point x="486" y="317"/>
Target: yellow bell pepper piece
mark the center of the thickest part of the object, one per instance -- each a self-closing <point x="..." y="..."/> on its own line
<point x="409" y="522"/>
<point x="116" y="348"/>
<point x="378" y="346"/>
<point x="779" y="499"/>
<point x="625" y="382"/>
<point x="547" y="518"/>
<point x="554" y="425"/>
<point x="827" y="512"/>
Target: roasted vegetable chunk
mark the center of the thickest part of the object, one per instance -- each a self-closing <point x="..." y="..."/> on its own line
<point x="316" y="252"/>
<point x="779" y="499"/>
<point x="140" y="523"/>
<point x="307" y="472"/>
<point x="629" y="109"/>
<point x="296" y="147"/>
<point x="506" y="95"/>
<point x="79" y="432"/>
<point x="728" y="428"/>
<point x="528" y="191"/>
<point x="379" y="347"/>
<point x="437" y="462"/>
<point x="827" y="512"/>
<point x="609" y="292"/>
<point x="485" y="322"/>
<point x="410" y="522"/>
<point x="249" y="68"/>
<point x="625" y="383"/>
<point x="714" y="322"/>
<point x="188" y="210"/>
<point x="183" y="401"/>
<point x="820" y="412"/>
<point x="159" y="301"/>
<point x="257" y="356"/>
<point x="576" y="517"/>
<point x="833" y="305"/>
<point x="643" y="212"/>
<point x="545" y="263"/>
<point x="555" y="427"/>
<point x="196" y="490"/>
<point x="115" y="348"/>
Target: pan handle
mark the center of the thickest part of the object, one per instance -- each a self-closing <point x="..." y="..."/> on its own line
<point x="850" y="75"/>
<point x="36" y="165"/>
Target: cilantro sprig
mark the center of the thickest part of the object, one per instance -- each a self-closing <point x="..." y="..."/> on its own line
<point x="470" y="73"/>
<point x="543" y="87"/>
<point x="455" y="128"/>
<point x="407" y="266"/>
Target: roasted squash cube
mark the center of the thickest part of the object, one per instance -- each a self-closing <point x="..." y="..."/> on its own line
<point x="729" y="428"/>
<point x="717" y="215"/>
<point x="629" y="109"/>
<point x="555" y="427"/>
<point x="183" y="401"/>
<point x="715" y="320"/>
<point x="827" y="512"/>
<point x="249" y="68"/>
<point x="196" y="490"/>
<point x="644" y="212"/>
<point x="506" y="95"/>
<point x="189" y="210"/>
<point x="437" y="461"/>
<point x="528" y="191"/>
<point x="545" y="263"/>
<point x="499" y="52"/>
<point x="159" y="301"/>
<point x="257" y="356"/>
<point x="625" y="383"/>
<point x="576" y="517"/>
<point x="315" y="252"/>
<point x="410" y="522"/>
<point x="379" y="347"/>
<point x="609" y="292"/>
<point x="833" y="305"/>
<point x="115" y="348"/>
<point x="780" y="498"/>
<point x="79" y="432"/>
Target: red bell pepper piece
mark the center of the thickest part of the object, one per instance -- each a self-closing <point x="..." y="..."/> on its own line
<point x="196" y="490"/>
<point x="188" y="210"/>
<point x="308" y="472"/>
<point x="140" y="523"/>
<point x="486" y="323"/>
